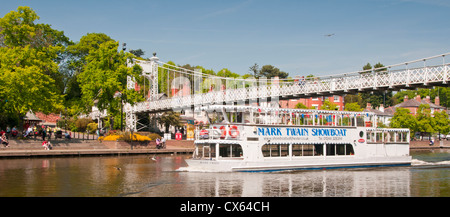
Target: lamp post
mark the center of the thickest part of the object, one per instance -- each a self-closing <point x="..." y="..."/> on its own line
<point x="124" y="47"/>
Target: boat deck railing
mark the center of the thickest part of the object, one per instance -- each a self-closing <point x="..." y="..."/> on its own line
<point x="387" y="135"/>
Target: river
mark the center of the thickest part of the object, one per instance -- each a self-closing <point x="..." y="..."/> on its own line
<point x="142" y="176"/>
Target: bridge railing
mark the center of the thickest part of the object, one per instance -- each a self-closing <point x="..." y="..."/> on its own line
<point x="323" y="86"/>
<point x="394" y="76"/>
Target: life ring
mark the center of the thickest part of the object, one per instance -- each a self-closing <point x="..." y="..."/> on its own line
<point x="234" y="132"/>
<point x="203" y="132"/>
<point x="224" y="132"/>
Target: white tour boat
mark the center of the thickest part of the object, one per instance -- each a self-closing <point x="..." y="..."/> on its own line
<point x="251" y="139"/>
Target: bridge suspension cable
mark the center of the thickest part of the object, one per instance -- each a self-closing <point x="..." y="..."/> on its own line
<point x="411" y="74"/>
<point x="290" y="80"/>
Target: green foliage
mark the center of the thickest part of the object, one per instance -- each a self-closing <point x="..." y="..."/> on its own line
<point x="267" y="71"/>
<point x="28" y="67"/>
<point x="442" y="92"/>
<point x="300" y="106"/>
<point x="170" y="119"/>
<point x="75" y="64"/>
<point x="403" y="119"/>
<point x="138" y="53"/>
<point x="327" y="105"/>
<point x="441" y="122"/>
<point x="424" y="121"/>
<point x="82" y="124"/>
<point x="270" y="71"/>
<point x="227" y="73"/>
<point x="92" y="127"/>
<point x="104" y="76"/>
<point x="354" y="106"/>
<point x="19" y="30"/>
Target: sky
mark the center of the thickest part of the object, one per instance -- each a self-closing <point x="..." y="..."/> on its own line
<point x="288" y="34"/>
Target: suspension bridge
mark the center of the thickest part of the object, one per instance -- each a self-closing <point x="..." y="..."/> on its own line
<point x="186" y="89"/>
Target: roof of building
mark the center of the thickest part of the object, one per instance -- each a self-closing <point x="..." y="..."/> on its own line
<point x="416" y="103"/>
<point x="31" y="116"/>
<point x="387" y="111"/>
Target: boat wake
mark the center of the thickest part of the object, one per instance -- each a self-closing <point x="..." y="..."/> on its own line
<point x="416" y="162"/>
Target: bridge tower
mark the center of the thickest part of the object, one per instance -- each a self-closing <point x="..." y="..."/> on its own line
<point x="153" y="77"/>
<point x="150" y="71"/>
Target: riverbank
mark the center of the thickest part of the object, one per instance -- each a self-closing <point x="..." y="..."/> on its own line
<point x="79" y="147"/>
<point x="444" y="144"/>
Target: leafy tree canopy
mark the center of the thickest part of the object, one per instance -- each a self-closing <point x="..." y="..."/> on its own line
<point x="28" y="67"/>
<point x="105" y="76"/>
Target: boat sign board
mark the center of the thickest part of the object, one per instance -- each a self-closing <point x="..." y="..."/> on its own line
<point x="295" y="131"/>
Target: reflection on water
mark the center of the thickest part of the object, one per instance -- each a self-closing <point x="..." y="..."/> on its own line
<point x="140" y="176"/>
<point x="326" y="183"/>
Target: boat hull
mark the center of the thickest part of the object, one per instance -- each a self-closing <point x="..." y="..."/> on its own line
<point x="274" y="165"/>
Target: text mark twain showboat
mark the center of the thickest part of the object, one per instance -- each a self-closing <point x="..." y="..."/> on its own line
<point x="247" y="138"/>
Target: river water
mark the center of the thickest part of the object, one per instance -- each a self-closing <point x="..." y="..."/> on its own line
<point x="141" y="176"/>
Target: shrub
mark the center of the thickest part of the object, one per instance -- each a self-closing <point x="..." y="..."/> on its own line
<point x="126" y="136"/>
<point x="92" y="127"/>
<point x="82" y="123"/>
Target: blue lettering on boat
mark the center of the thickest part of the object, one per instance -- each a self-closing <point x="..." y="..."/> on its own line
<point x="274" y="131"/>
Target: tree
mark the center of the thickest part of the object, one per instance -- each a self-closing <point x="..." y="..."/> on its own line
<point x="354" y="98"/>
<point x="76" y="63"/>
<point x="442" y="92"/>
<point x="403" y="119"/>
<point x="354" y="106"/>
<point x="424" y="119"/>
<point x="270" y="71"/>
<point x="170" y="119"/>
<point x="441" y="122"/>
<point x="255" y="70"/>
<point x="227" y="73"/>
<point x="104" y="79"/>
<point x="300" y="106"/>
<point x="327" y="105"/>
<point x="19" y="30"/>
<point x="138" y="53"/>
<point x="28" y="66"/>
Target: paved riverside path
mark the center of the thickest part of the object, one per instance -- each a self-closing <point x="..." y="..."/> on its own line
<point x="78" y="147"/>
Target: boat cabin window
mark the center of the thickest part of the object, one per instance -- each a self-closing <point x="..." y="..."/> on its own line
<point x="215" y="117"/>
<point x="275" y="150"/>
<point x="230" y="150"/>
<point x="205" y="151"/>
<point x="307" y="150"/>
<point x="240" y="117"/>
<point x="391" y="136"/>
<point x="339" y="149"/>
<point x="299" y="150"/>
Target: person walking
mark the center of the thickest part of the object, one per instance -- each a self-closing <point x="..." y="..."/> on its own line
<point x="55" y="130"/>
<point x="49" y="132"/>
<point x="44" y="133"/>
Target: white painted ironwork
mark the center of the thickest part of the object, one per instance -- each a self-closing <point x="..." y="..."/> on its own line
<point x="391" y="77"/>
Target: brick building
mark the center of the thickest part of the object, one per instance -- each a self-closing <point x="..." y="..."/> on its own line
<point x="313" y="102"/>
<point x="413" y="104"/>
